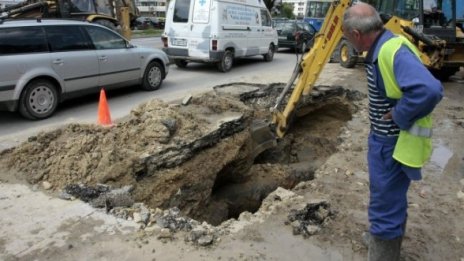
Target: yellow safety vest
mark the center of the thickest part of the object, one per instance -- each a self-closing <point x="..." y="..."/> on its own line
<point x="414" y="146"/>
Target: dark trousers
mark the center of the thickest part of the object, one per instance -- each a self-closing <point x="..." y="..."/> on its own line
<point x="389" y="185"/>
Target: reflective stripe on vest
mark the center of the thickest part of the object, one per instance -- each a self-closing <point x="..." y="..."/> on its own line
<point x="420" y="131"/>
<point x="414" y="146"/>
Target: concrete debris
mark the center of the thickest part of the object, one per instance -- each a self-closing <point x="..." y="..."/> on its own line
<point x="66" y="196"/>
<point x="205" y="240"/>
<point x="114" y="198"/>
<point x="202" y="236"/>
<point x="85" y="193"/>
<point x="309" y="220"/>
<point x="165" y="234"/>
<point x="460" y="194"/>
<point x="187" y="99"/>
<point x="100" y="196"/>
<point x="46" y="185"/>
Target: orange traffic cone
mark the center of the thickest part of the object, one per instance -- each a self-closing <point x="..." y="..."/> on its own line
<point x="104" y="117"/>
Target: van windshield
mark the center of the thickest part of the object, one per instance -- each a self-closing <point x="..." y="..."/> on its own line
<point x="181" y="11"/>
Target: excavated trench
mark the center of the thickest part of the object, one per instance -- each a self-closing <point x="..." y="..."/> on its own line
<point x="197" y="157"/>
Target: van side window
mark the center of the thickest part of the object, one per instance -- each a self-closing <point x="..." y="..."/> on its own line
<point x="22" y="40"/>
<point x="66" y="38"/>
<point x="105" y="39"/>
<point x="181" y="11"/>
<point x="265" y="18"/>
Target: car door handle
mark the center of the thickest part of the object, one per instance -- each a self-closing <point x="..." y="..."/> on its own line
<point x="58" y="62"/>
<point x="103" y="58"/>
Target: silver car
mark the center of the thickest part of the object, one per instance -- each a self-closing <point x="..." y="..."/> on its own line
<point x="44" y="62"/>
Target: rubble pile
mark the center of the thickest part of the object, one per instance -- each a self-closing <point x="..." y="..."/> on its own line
<point x="309" y="220"/>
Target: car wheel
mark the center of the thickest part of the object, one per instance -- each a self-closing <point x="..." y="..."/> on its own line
<point x="348" y="57"/>
<point x="226" y="63"/>
<point x="269" y="56"/>
<point x="38" y="100"/>
<point x="106" y="23"/>
<point x="180" y="63"/>
<point x="153" y="76"/>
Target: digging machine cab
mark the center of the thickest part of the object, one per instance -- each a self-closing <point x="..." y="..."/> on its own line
<point x="110" y="13"/>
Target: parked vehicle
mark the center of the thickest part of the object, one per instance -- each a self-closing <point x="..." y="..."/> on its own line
<point x="45" y="62"/>
<point x="218" y="31"/>
<point x="142" y="23"/>
<point x="297" y="35"/>
<point x="158" y="22"/>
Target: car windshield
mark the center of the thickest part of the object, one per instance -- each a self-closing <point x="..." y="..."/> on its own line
<point x="284" y="27"/>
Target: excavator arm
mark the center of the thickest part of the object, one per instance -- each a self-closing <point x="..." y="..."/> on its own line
<point x="308" y="69"/>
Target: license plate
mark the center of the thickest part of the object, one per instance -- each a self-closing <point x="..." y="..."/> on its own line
<point x="179" y="42"/>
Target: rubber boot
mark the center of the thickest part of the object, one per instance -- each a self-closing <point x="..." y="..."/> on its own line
<point x="366" y="236"/>
<point x="384" y="250"/>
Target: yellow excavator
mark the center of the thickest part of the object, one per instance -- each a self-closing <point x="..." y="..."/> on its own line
<point x="114" y="14"/>
<point x="437" y="54"/>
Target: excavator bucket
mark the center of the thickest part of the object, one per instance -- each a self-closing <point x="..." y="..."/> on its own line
<point x="262" y="137"/>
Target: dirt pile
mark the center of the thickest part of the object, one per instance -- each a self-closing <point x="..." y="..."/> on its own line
<point x="92" y="154"/>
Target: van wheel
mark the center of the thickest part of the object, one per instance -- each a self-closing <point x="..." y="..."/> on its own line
<point x="269" y="56"/>
<point x="153" y="76"/>
<point x="226" y="63"/>
<point x="38" y="100"/>
<point x="181" y="63"/>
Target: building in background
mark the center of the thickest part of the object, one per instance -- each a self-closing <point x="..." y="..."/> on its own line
<point x="299" y="7"/>
<point x="152" y="8"/>
<point x="315" y="9"/>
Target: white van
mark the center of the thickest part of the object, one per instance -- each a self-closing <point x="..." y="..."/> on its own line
<point x="218" y="31"/>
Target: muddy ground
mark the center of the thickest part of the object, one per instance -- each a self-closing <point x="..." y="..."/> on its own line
<point x="189" y="164"/>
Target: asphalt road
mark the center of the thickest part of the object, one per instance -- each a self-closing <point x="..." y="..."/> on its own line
<point x="179" y="83"/>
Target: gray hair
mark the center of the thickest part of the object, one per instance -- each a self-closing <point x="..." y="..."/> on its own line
<point x="364" y="21"/>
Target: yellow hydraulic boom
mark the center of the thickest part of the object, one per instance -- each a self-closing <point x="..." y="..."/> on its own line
<point x="307" y="71"/>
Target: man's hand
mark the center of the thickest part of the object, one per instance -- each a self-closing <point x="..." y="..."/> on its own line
<point x="387" y="116"/>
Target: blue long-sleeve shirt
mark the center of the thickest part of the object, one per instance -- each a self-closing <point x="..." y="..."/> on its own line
<point x="421" y="91"/>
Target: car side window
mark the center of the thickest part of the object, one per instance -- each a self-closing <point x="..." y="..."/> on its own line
<point x="66" y="38"/>
<point x="105" y="39"/>
<point x="22" y="40"/>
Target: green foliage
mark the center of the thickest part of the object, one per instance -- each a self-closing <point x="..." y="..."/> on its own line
<point x="287" y="11"/>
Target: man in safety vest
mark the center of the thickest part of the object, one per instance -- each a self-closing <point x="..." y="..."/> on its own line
<point x="402" y="94"/>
